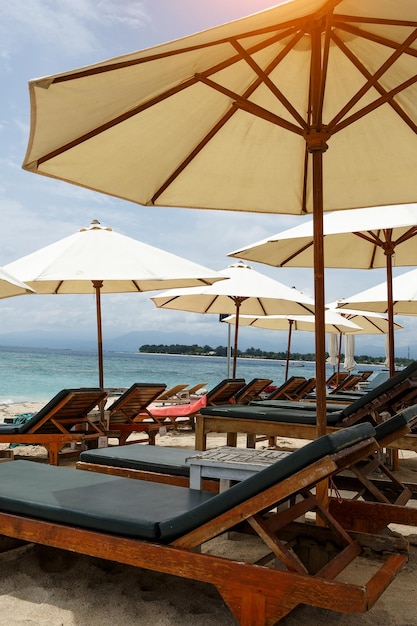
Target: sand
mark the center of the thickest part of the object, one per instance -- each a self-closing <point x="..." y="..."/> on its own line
<point x="46" y="587"/>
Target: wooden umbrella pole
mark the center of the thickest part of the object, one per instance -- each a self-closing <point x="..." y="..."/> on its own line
<point x="395" y="461"/>
<point x="316" y="141"/>
<point x="338" y="358"/>
<point x="237" y="303"/>
<point x="390" y="311"/>
<point x="291" y="322"/>
<point x="98" y="284"/>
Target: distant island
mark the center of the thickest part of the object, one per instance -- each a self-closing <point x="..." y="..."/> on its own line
<point x="253" y="353"/>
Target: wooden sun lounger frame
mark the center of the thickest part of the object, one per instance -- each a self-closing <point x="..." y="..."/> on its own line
<point x="61" y="436"/>
<point x="256" y="594"/>
<point x="388" y="490"/>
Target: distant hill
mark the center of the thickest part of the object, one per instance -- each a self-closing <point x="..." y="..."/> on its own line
<point x="131" y="342"/>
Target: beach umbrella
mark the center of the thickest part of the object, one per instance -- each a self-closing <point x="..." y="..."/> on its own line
<point x="404" y="293"/>
<point x="334" y="323"/>
<point x="359" y="239"/>
<point x="369" y="322"/>
<point x="308" y="106"/>
<point x="97" y="260"/>
<point x="245" y="292"/>
<point x="333" y="348"/>
<point x="11" y="286"/>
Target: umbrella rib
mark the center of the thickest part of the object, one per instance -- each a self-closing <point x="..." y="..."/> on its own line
<point x="368" y="75"/>
<point x="294" y="256"/>
<point x="269" y="83"/>
<point x="384" y="41"/>
<point x="288" y="28"/>
<point x="204" y="78"/>
<point x="153" y="101"/>
<point x="372" y="20"/>
<point x="336" y="124"/>
<point x="251" y="107"/>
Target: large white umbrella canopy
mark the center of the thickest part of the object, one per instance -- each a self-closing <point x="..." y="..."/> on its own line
<point x="358" y="239"/>
<point x="308" y="106"/>
<point x="98" y="260"/>
<point x="11" y="286"/>
<point x="404" y="292"/>
<point x="334" y="323"/>
<point x="245" y="292"/>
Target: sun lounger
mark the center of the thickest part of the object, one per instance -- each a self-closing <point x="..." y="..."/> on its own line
<point x="336" y="378"/>
<point x="130" y="412"/>
<point x="171" y="396"/>
<point x="221" y="394"/>
<point x="260" y="419"/>
<point x="192" y="392"/>
<point x="287" y="391"/>
<point x="158" y="526"/>
<point x="169" y="465"/>
<point x="251" y="391"/>
<point x="63" y="420"/>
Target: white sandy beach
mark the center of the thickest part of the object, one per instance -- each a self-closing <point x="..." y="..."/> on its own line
<point x="46" y="587"/>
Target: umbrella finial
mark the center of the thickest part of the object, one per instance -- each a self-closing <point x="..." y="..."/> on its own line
<point x="241" y="264"/>
<point x="95" y="225"/>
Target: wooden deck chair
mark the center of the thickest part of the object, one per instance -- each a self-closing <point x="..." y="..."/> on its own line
<point x="287" y="390"/>
<point x="223" y="393"/>
<point x="130" y="412"/>
<point x="369" y="479"/>
<point x="156" y="526"/>
<point x="251" y="391"/>
<point x="298" y="421"/>
<point x="63" y="420"/>
<point x="304" y="389"/>
<point x="171" y="396"/>
<point x="192" y="392"/>
<point x="347" y="384"/>
<point x="336" y="378"/>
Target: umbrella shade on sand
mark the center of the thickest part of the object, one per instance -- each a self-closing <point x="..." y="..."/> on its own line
<point x="245" y="292"/>
<point x="98" y="260"/>
<point x="359" y="239"/>
<point x="334" y="323"/>
<point x="11" y="286"/>
<point x="308" y="106"/>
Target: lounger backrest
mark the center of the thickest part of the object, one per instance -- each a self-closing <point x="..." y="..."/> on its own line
<point x="69" y="406"/>
<point x="224" y="391"/>
<point x="348" y="383"/>
<point x="290" y="465"/>
<point x="404" y="418"/>
<point x="170" y="393"/>
<point x="251" y="391"/>
<point x="389" y="385"/>
<point x="305" y="388"/>
<point x="336" y="378"/>
<point x="287" y="388"/>
<point x="134" y="401"/>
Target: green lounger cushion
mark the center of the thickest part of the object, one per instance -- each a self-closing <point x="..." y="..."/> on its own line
<point x="275" y="473"/>
<point x="394" y="423"/>
<point x="297" y="405"/>
<point x="295" y="416"/>
<point x="162" y="459"/>
<point x="143" y="509"/>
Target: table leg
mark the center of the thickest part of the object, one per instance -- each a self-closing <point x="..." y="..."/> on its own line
<point x="200" y="436"/>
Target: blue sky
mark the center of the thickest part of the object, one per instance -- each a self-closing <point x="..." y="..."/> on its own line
<point x="42" y="37"/>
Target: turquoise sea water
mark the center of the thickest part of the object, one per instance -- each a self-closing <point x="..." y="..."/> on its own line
<point x="38" y="374"/>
